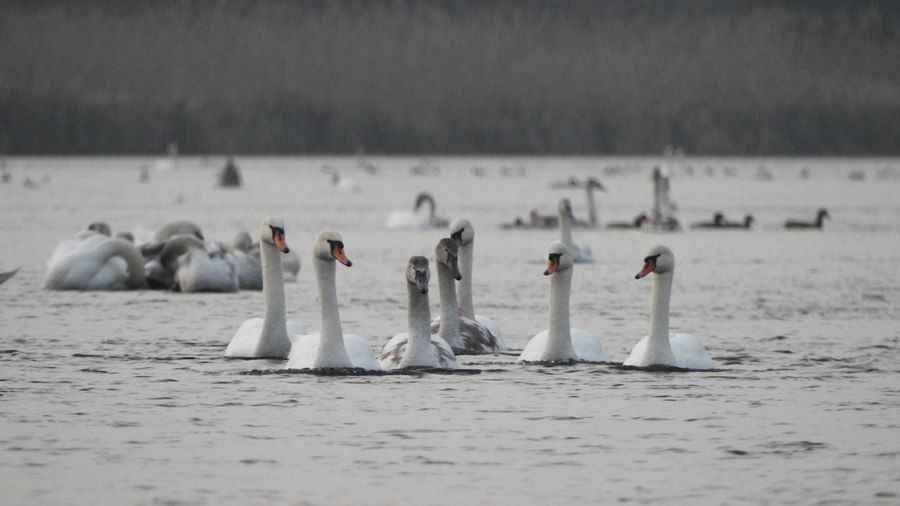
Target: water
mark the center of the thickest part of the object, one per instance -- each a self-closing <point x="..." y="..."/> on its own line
<point x="125" y="397"/>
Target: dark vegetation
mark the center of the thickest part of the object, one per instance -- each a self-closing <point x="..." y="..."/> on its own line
<point x="712" y="76"/>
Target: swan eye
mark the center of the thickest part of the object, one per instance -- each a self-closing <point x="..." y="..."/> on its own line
<point x="554" y="257"/>
<point x="652" y="259"/>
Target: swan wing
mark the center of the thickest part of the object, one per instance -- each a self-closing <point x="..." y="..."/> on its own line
<point x="588" y="347"/>
<point x="245" y="340"/>
<point x="637" y="357"/>
<point x="294" y="330"/>
<point x="393" y="350"/>
<point x="476" y="338"/>
<point x="360" y="353"/>
<point x="690" y="353"/>
<point x="534" y="350"/>
<point x="444" y="353"/>
<point x="493" y="328"/>
<point x="304" y="351"/>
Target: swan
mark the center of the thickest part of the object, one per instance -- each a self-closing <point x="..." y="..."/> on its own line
<point x="560" y="341"/>
<point x="465" y="336"/>
<point x="194" y="269"/>
<point x="330" y="348"/>
<point x="423" y="349"/>
<point x="820" y="218"/>
<point x="290" y="262"/>
<point x="659" y="348"/>
<point x="268" y="337"/>
<point x="463" y="233"/>
<point x="593" y="219"/>
<point x="416" y="219"/>
<point x="580" y="252"/>
<point x="96" y="263"/>
<point x="624" y="225"/>
<point x="174" y="228"/>
<point x="5" y="275"/>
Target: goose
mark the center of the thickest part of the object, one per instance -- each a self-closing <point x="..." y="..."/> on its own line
<point x="659" y="348"/>
<point x="560" y="341"/>
<point x="820" y="218"/>
<point x="194" y="269"/>
<point x="96" y="263"/>
<point x="329" y="347"/>
<point x="268" y="337"/>
<point x="8" y="273"/>
<point x="417" y="347"/>
<point x="580" y="252"/>
<point x="463" y="233"/>
<point x="465" y="336"/>
<point x="416" y="219"/>
<point x="625" y="225"/>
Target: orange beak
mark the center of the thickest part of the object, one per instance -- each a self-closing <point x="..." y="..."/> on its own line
<point x="338" y="255"/>
<point x="279" y="243"/>
<point x="552" y="265"/>
<point x="647" y="269"/>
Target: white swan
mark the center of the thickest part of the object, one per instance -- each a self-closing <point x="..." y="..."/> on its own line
<point x="423" y="349"/>
<point x="268" y="337"/>
<point x="659" y="348"/>
<point x="560" y="341"/>
<point x="463" y="233"/>
<point x="417" y="219"/>
<point x="195" y="270"/>
<point x="593" y="218"/>
<point x="330" y="348"/>
<point x="465" y="336"/>
<point x="96" y="263"/>
<point x="580" y="252"/>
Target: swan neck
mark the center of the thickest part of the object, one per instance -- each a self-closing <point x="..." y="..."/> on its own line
<point x="592" y="206"/>
<point x="659" y="312"/>
<point x="559" y="340"/>
<point x="449" y="328"/>
<point x="419" y="319"/>
<point x="133" y="258"/>
<point x="565" y="231"/>
<point x="466" y="304"/>
<point x="332" y="352"/>
<point x="275" y="321"/>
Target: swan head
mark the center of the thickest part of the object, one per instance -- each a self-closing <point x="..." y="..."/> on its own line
<point x="243" y="241"/>
<point x="446" y="253"/>
<point x="462" y="232"/>
<point x="559" y="258"/>
<point x="101" y="228"/>
<point x="421" y="199"/>
<point x="565" y="209"/>
<point x="417" y="273"/>
<point x="330" y="246"/>
<point x="271" y="231"/>
<point x="593" y="183"/>
<point x="659" y="260"/>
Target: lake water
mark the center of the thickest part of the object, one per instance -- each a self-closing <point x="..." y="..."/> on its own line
<point x="125" y="397"/>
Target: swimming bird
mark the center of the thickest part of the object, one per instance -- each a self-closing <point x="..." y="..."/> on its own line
<point x="580" y="252"/>
<point x="462" y="231"/>
<point x="660" y="348"/>
<point x="417" y="219"/>
<point x="820" y="218"/>
<point x="330" y="348"/>
<point x="718" y="221"/>
<point x="194" y="269"/>
<point x="626" y="225"/>
<point x="560" y="341"/>
<point x="417" y="347"/>
<point x="96" y="263"/>
<point x="268" y="337"/>
<point x="465" y="336"/>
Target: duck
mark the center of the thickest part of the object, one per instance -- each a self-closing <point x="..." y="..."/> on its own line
<point x="465" y="336"/>
<point x="580" y="252"/>
<point x="561" y="342"/>
<point x="194" y="270"/>
<point x="820" y="219"/>
<point x="270" y="336"/>
<point x="97" y="262"/>
<point x="416" y="219"/>
<point x="330" y="348"/>
<point x="637" y="223"/>
<point x="417" y="347"/>
<point x="463" y="233"/>
<point x="683" y="351"/>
